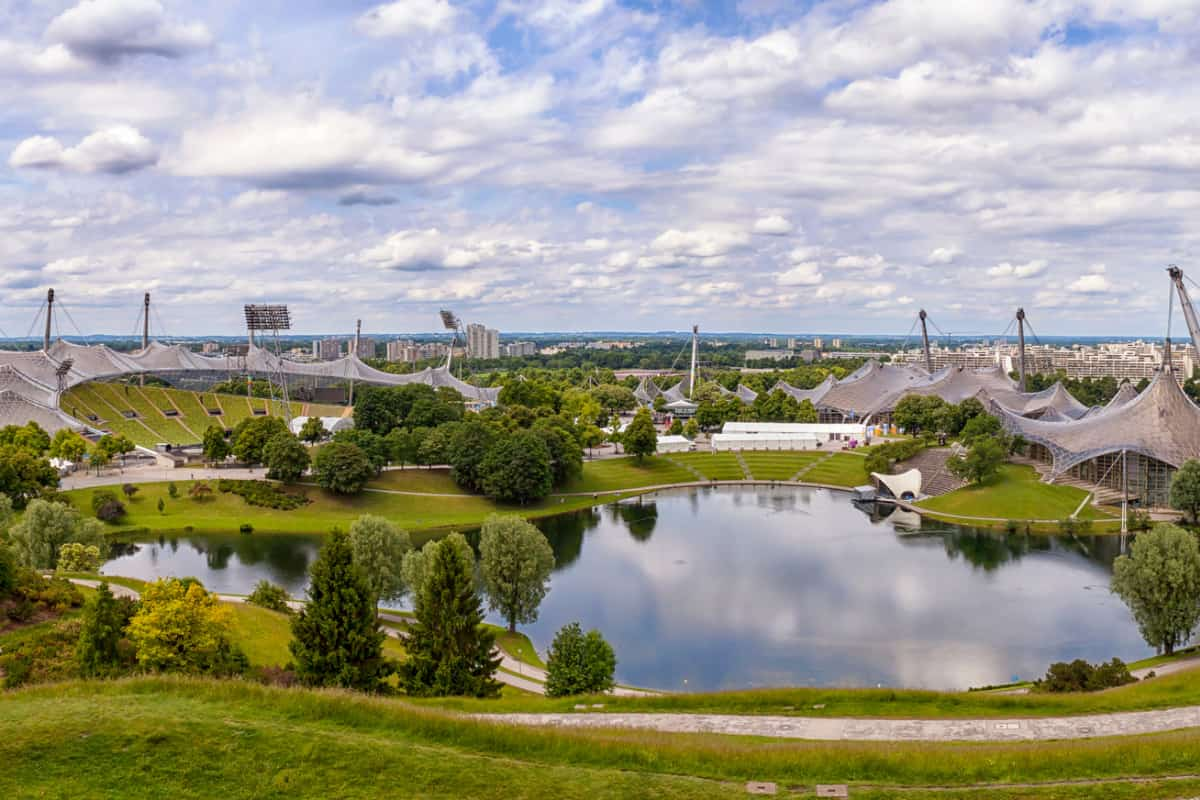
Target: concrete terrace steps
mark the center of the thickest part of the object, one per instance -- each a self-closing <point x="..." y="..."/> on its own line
<point x="742" y="463"/>
<point x="936" y="478"/>
<point x="1101" y="495"/>
<point x="808" y="467"/>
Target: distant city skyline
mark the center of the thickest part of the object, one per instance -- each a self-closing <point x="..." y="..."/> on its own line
<point x="562" y="165"/>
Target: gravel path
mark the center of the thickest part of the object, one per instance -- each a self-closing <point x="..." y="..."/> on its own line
<point x="876" y="730"/>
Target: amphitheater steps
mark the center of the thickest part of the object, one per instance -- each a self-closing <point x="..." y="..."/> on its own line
<point x="742" y="463"/>
<point x="936" y="479"/>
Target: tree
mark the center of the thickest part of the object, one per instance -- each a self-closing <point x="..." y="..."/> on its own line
<point x="1160" y="582"/>
<point x="337" y="639"/>
<point x="180" y="627"/>
<point x="466" y="451"/>
<point x="691" y="428"/>
<point x="251" y="435"/>
<point x="981" y="426"/>
<point x="435" y="446"/>
<point x="172" y="490"/>
<point x="403" y="446"/>
<point x="517" y="468"/>
<point x="614" y="398"/>
<point x="640" y="438"/>
<point x="416" y="562"/>
<point x="30" y="436"/>
<point x="161" y="505"/>
<point x="566" y="455"/>
<point x="98" y="650"/>
<point x="579" y="663"/>
<point x="216" y="446"/>
<point x="313" y="430"/>
<point x="515" y="560"/>
<point x="68" y="445"/>
<point x="375" y="446"/>
<point x="24" y="474"/>
<point x="285" y="457"/>
<point x="129" y="490"/>
<point x="106" y="506"/>
<point x="8" y="571"/>
<point x="200" y="491"/>
<point x="109" y="447"/>
<point x="378" y="547"/>
<point x="675" y="428"/>
<point x="981" y="463"/>
<point x="342" y="468"/>
<point x="45" y="527"/>
<point x="449" y="650"/>
<point x="1185" y="489"/>
<point x="78" y="557"/>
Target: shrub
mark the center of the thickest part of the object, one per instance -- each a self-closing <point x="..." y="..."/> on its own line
<point x="277" y="676"/>
<point x="246" y="528"/>
<point x="100" y="497"/>
<point x="173" y="490"/>
<point x="268" y="595"/>
<point x="200" y="491"/>
<point x="882" y="457"/>
<point x="1080" y="676"/>
<point x="129" y="490"/>
<point x="112" y="511"/>
<point x="76" y="557"/>
<point x="8" y="571"/>
<point x="263" y="494"/>
<point x="21" y="610"/>
<point x="579" y="663"/>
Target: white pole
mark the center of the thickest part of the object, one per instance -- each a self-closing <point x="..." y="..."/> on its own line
<point x="692" y="379"/>
<point x="1124" y="493"/>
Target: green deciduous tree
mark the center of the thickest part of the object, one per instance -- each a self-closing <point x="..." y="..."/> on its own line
<point x="286" y="458"/>
<point x="515" y="560"/>
<point x="342" y="468"/>
<point x="981" y="462"/>
<point x="46" y="527"/>
<point x="1160" y="582"/>
<point x="579" y="663"/>
<point x="337" y="639"/>
<point x="77" y="557"/>
<point x="466" y="451"/>
<point x="216" y="446"/>
<point x="416" y="562"/>
<point x="180" y="627"/>
<point x="517" y="468"/>
<point x="379" y="546"/>
<point x="68" y="445"/>
<point x="251" y="435"/>
<point x="24" y="474"/>
<point x="639" y="438"/>
<point x="1185" y="489"/>
<point x="313" y="430"/>
<point x="104" y="618"/>
<point x="449" y="650"/>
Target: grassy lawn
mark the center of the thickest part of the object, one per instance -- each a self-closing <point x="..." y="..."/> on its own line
<point x="627" y="473"/>
<point x="714" y="466"/>
<point x="224" y="513"/>
<point x="1016" y="493"/>
<point x="264" y="635"/>
<point x="434" y="481"/>
<point x="147" y="737"/>
<point x="843" y="469"/>
<point x="781" y="465"/>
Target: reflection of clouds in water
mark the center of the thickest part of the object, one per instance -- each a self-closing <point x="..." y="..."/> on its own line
<point x="741" y="598"/>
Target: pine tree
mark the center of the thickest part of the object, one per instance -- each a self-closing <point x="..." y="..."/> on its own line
<point x="449" y="652"/>
<point x="337" y="639"/>
<point x="100" y="634"/>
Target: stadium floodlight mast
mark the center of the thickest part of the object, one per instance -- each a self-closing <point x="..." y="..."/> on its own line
<point x="451" y="323"/>
<point x="273" y="318"/>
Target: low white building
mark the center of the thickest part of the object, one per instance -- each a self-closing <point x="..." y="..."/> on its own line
<point x="673" y="444"/>
<point x="787" y="435"/>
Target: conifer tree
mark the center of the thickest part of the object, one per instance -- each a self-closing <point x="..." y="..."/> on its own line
<point x="100" y="634"/>
<point x="337" y="639"/>
<point x="449" y="652"/>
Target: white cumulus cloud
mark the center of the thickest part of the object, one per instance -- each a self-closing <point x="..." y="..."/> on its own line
<point x="106" y="30"/>
<point x="115" y="150"/>
<point x="773" y="225"/>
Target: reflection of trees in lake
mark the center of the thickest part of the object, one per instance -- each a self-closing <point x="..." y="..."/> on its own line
<point x="640" y="518"/>
<point x="565" y="534"/>
<point x="989" y="550"/>
<point x="287" y="556"/>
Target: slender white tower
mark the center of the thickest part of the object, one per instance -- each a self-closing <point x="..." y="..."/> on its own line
<point x="692" y="378"/>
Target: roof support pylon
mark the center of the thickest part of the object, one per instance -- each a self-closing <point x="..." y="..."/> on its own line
<point x="925" y="342"/>
<point x="49" y="319"/>
<point x="1021" y="346"/>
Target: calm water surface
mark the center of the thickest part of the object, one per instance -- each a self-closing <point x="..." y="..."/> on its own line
<point x="733" y="588"/>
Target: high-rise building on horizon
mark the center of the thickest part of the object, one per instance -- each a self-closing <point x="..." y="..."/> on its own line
<point x="366" y="347"/>
<point x="482" y="341"/>
<point x="327" y="349"/>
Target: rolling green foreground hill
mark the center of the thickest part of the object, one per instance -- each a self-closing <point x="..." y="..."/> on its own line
<point x="144" y="738"/>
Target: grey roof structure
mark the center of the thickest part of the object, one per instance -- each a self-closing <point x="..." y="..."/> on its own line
<point x="34" y="375"/>
<point x="813" y="395"/>
<point x="1160" y="423"/>
<point x="646" y="391"/>
<point x="746" y="394"/>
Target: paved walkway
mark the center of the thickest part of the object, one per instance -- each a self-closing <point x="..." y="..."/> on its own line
<point x="875" y="730"/>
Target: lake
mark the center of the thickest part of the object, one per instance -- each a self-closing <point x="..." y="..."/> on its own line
<point x="770" y="586"/>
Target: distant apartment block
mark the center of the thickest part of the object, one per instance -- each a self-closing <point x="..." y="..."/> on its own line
<point x="366" y="347"/>
<point x="836" y="344"/>
<point x="482" y="341"/>
<point x="1120" y="360"/>
<point x="210" y="348"/>
<point x="409" y="351"/>
<point x="327" y="349"/>
<point x="518" y="349"/>
<point x="818" y="343"/>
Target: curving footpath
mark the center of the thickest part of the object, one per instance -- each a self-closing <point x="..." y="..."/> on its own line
<point x="875" y="730"/>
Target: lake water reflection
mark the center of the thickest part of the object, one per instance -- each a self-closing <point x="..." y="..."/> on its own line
<point x="732" y="588"/>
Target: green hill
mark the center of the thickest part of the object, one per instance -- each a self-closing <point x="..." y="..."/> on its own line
<point x="159" y="737"/>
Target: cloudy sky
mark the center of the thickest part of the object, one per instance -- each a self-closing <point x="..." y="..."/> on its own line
<point x="600" y="164"/>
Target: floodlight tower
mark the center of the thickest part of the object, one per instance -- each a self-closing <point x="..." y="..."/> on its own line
<point x="273" y="318"/>
<point x="451" y="323"/>
<point x="146" y="322"/>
